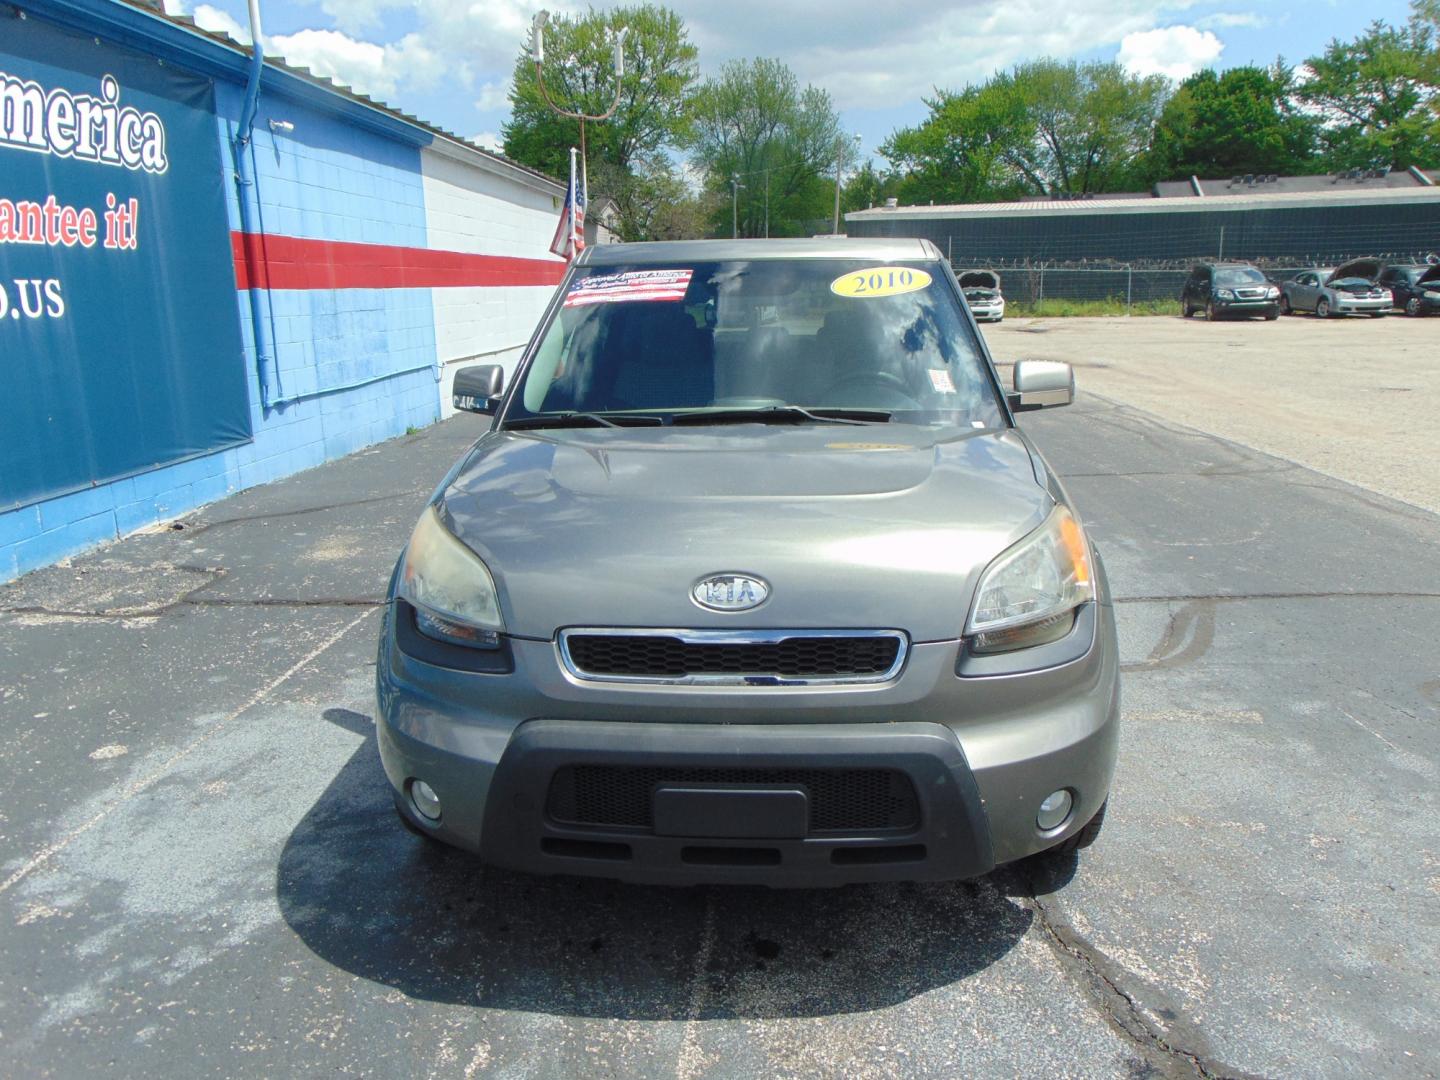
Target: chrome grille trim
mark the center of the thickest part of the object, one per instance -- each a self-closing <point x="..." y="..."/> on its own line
<point x="730" y="637"/>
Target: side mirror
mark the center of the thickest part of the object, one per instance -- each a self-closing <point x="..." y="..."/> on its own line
<point x="477" y="388"/>
<point x="1041" y="384"/>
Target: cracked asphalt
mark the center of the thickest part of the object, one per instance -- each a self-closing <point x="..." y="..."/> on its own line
<point x="200" y="874"/>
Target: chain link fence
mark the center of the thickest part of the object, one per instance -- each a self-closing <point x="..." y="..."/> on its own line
<point x="1127" y="283"/>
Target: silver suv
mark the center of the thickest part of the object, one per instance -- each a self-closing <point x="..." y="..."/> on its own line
<point x="752" y="579"/>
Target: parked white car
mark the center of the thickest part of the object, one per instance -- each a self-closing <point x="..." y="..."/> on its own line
<point x="982" y="293"/>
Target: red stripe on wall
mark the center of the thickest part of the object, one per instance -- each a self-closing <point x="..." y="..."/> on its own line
<point x="266" y="261"/>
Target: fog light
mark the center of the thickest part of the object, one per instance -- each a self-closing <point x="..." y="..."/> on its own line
<point x="1054" y="810"/>
<point x="426" y="802"/>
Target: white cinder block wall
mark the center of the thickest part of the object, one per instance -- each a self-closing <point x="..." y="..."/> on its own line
<point x="480" y="207"/>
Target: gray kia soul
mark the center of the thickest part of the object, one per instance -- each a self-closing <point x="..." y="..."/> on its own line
<point x="753" y="579"/>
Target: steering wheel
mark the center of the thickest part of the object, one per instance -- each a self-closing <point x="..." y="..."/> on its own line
<point x="878" y="380"/>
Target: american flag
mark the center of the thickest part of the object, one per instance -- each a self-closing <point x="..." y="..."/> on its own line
<point x="569" y="238"/>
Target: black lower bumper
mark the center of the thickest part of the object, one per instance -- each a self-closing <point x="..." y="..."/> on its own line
<point x="741" y="804"/>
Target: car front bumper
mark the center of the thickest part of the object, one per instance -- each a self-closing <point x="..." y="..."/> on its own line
<point x="988" y="312"/>
<point x="1357" y="305"/>
<point x="979" y="753"/>
<point x="1268" y="308"/>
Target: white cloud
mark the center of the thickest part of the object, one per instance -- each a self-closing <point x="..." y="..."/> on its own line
<point x="488" y="140"/>
<point x="213" y="19"/>
<point x="375" y="70"/>
<point x="493" y="95"/>
<point x="1176" y="52"/>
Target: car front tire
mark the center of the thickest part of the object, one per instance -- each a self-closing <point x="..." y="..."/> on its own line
<point x="1412" y="307"/>
<point x="1211" y="315"/>
<point x="1322" y="308"/>
<point x="1285" y="308"/>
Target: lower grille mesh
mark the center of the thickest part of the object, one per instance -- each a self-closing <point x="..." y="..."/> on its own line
<point x="841" y="800"/>
<point x="663" y="657"/>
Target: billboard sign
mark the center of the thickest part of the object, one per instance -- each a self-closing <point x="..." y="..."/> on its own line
<point x="120" y="340"/>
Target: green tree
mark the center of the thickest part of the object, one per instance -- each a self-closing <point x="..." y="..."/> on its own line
<point x="754" y="121"/>
<point x="1092" y="122"/>
<point x="1376" y="94"/>
<point x="660" y="74"/>
<point x="1047" y="127"/>
<point x="1240" y="121"/>
<point x="964" y="149"/>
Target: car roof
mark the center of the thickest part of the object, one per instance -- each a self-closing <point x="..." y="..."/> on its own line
<point x="1228" y="265"/>
<point x="827" y="247"/>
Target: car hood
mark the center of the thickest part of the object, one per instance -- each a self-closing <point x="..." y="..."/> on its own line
<point x="865" y="527"/>
<point x="978" y="279"/>
<point x="1367" y="268"/>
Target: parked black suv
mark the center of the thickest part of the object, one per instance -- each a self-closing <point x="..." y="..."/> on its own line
<point x="1416" y="288"/>
<point x="1234" y="288"/>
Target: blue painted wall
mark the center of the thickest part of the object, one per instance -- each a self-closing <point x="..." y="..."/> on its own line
<point x="361" y="362"/>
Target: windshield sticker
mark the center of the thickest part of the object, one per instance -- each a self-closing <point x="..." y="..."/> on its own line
<point x="879" y="281"/>
<point x="633" y="285"/>
<point x="942" y="382"/>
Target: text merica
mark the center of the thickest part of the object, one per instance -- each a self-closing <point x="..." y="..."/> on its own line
<point x="80" y="126"/>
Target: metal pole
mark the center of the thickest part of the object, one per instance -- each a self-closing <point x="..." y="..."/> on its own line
<point x="1129" y="284"/>
<point x="734" y="206"/>
<point x="767" y="204"/>
<point x="1042" y="283"/>
<point x="835" y="226"/>
<point x="1221" y="255"/>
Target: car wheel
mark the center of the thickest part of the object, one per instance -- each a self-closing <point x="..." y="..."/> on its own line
<point x="1412" y="307"/>
<point x="1378" y="314"/>
<point x="1272" y="316"/>
<point x="1285" y="308"/>
<point x="1185" y="310"/>
<point x="1211" y="315"/>
<point x="1322" y="308"/>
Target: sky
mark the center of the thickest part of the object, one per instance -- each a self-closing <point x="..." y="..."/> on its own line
<point x="449" y="61"/>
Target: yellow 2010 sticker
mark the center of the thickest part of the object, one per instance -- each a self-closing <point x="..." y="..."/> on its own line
<point x="880" y="281"/>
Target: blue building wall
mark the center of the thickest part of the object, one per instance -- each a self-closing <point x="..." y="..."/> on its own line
<point x="351" y="366"/>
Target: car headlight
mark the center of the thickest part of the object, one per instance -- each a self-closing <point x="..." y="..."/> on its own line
<point x="1029" y="594"/>
<point x="1272" y="292"/>
<point x="1431" y="294"/>
<point x="1224" y="294"/>
<point x="450" y="588"/>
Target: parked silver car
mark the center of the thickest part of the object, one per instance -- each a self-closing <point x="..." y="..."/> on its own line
<point x="1345" y="290"/>
<point x="752" y="579"/>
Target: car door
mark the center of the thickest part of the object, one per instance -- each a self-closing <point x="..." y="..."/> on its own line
<point x="1305" y="292"/>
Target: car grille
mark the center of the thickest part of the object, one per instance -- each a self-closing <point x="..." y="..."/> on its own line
<point x="702" y="656"/>
<point x="841" y="800"/>
<point x="1250" y="294"/>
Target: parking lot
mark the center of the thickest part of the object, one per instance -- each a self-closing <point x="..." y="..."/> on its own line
<point x="201" y="874"/>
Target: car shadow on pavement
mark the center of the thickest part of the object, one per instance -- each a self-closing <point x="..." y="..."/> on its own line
<point x="373" y="900"/>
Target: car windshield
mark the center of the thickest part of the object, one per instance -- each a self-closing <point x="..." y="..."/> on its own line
<point x="769" y="340"/>
<point x="1245" y="275"/>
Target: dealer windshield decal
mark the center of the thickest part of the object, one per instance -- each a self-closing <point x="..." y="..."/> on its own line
<point x="632" y="285"/>
<point x="880" y="281"/>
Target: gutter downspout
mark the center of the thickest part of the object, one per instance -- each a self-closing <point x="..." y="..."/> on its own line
<point x="1195" y="184"/>
<point x="1415" y="172"/>
<point x="245" y="186"/>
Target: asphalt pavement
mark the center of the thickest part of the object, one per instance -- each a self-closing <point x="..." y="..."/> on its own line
<point x="201" y="874"/>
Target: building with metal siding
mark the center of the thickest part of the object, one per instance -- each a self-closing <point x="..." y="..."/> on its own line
<point x="384" y="252"/>
<point x="1323" y="223"/>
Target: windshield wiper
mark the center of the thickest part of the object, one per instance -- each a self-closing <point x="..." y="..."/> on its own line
<point x="582" y="419"/>
<point x="783" y="414"/>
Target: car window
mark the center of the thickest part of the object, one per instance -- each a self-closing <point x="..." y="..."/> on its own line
<point x="764" y="333"/>
<point x="1244" y="275"/>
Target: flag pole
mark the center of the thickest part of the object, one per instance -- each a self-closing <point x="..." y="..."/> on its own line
<point x="574" y="196"/>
